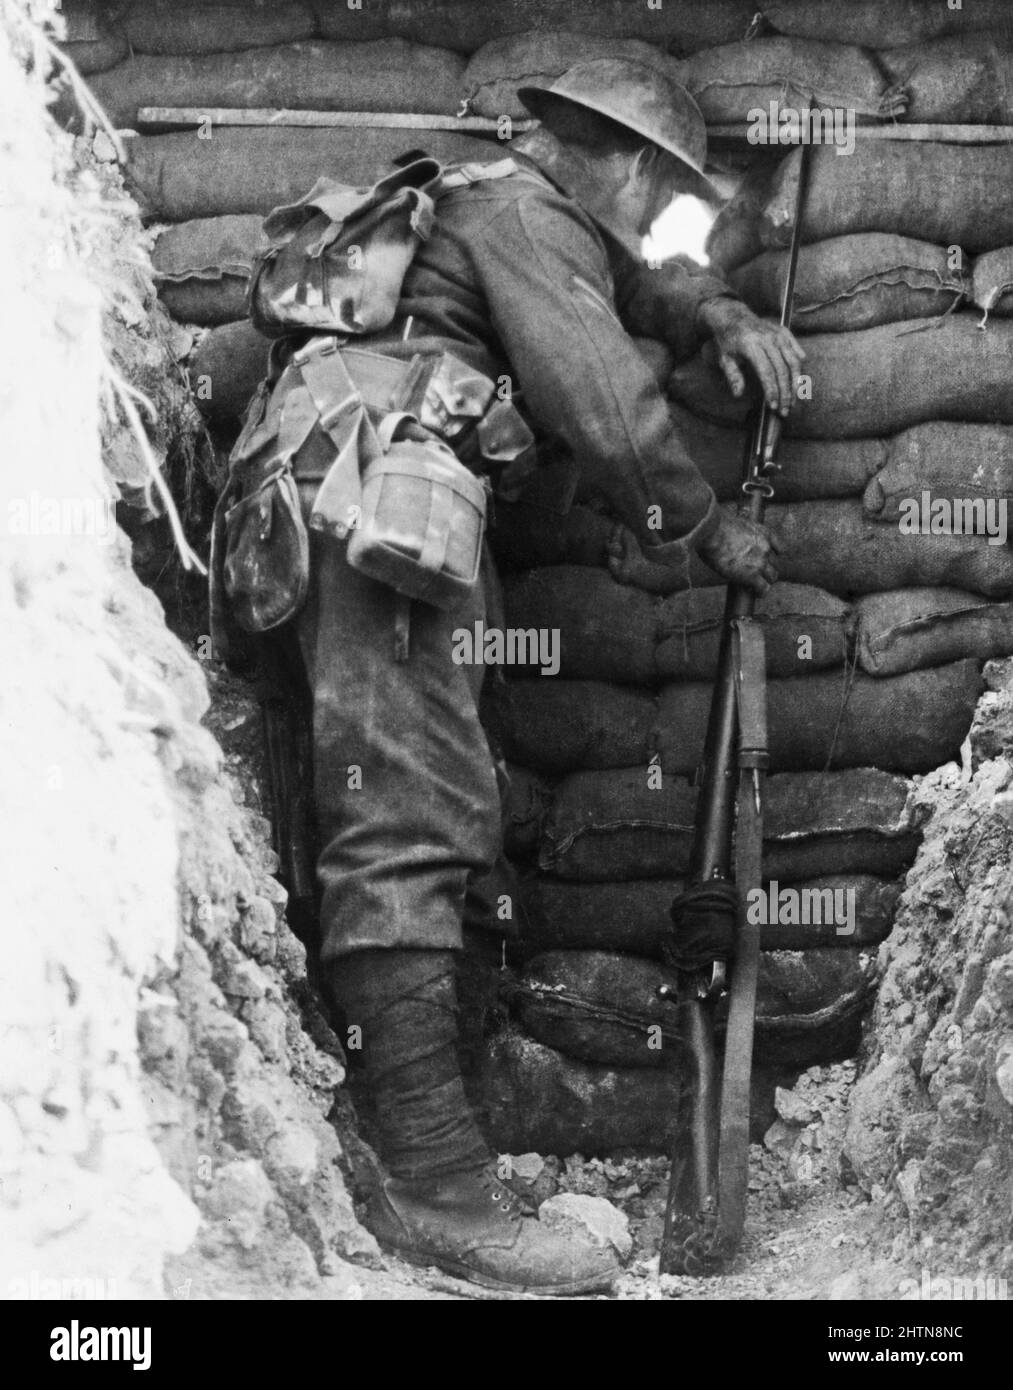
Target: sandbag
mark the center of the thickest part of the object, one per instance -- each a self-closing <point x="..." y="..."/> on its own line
<point x="96" y="55"/>
<point x="385" y="75"/>
<point x="880" y="23"/>
<point x="526" y="536"/>
<point x="609" y="826"/>
<point x="851" y="282"/>
<point x="634" y="915"/>
<point x="532" y="1098"/>
<point x="201" y="267"/>
<point x="879" y="380"/>
<point x="946" y="459"/>
<point x="965" y="79"/>
<point x="809" y="469"/>
<point x="730" y="81"/>
<point x="913" y="628"/>
<point x="501" y="66"/>
<point x="953" y="195"/>
<point x="837" y="547"/>
<point x="681" y="25"/>
<point x="226" y="368"/>
<point x="908" y="723"/>
<point x="601" y="1007"/>
<point x="992" y="282"/>
<point x="525" y="801"/>
<point x="194" y="29"/>
<point x="736" y="234"/>
<point x="178" y="177"/>
<point x="609" y="631"/>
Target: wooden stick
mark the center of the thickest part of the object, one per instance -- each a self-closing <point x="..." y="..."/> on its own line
<point x="267" y="116"/>
<point x="942" y="134"/>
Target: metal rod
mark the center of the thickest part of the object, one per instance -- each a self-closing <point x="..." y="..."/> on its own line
<point x="943" y="133"/>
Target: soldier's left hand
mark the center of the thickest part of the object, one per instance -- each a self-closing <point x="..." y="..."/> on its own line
<point x="741" y="338"/>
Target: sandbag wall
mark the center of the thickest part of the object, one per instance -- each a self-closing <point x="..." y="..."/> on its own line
<point x="875" y="637"/>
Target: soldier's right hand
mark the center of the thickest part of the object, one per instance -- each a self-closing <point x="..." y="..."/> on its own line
<point x="742" y="552"/>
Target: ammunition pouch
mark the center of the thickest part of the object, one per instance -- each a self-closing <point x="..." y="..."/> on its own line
<point x="368" y="448"/>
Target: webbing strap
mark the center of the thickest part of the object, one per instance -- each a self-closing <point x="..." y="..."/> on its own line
<point x="463" y="174"/>
<point x="733" y="1149"/>
<point x="347" y="425"/>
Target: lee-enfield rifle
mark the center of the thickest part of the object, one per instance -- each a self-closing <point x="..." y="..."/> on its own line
<point x="706" y="1206"/>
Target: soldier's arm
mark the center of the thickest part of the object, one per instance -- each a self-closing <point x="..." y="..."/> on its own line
<point x="664" y="300"/>
<point x="549" y="288"/>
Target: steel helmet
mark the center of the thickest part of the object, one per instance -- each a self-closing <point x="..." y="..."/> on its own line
<point x="637" y="97"/>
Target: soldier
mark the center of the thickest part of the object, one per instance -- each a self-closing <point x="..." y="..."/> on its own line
<point x="536" y="276"/>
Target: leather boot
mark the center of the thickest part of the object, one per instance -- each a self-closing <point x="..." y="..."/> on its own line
<point x="443" y="1203"/>
<point x="473" y="1226"/>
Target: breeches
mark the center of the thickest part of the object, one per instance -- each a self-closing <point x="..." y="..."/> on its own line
<point x="406" y="792"/>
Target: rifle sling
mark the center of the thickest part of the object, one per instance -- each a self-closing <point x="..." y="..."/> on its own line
<point x="733" y="1150"/>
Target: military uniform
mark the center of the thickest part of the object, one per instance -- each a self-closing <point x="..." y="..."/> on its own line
<point x="518" y="281"/>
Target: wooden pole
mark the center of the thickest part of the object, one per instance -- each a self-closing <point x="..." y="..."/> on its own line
<point x="409" y="120"/>
<point x="940" y="134"/>
<point x="267" y="116"/>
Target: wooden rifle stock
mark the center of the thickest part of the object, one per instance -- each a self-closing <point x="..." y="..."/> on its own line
<point x="705" y="1212"/>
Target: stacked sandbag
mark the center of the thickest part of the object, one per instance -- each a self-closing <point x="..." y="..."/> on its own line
<point x="730" y="82"/>
<point x="603" y="1008"/>
<point x="992" y="282"/>
<point x="612" y="632"/>
<point x="91" y="39"/>
<point x="202" y="267"/>
<point x="909" y="723"/>
<point x="881" y="23"/>
<point x="536" y="1098"/>
<point x="248" y="169"/>
<point x="857" y="281"/>
<point x="382" y="75"/>
<point x="626" y="824"/>
<point x="155" y="26"/>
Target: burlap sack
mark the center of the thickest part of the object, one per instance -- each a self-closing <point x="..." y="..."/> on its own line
<point x="91" y="56"/>
<point x="946" y="459"/>
<point x="633" y="915"/>
<point x="226" y="368"/>
<point x="532" y="1098"/>
<point x="809" y="469"/>
<point x="603" y="1008"/>
<point x="880" y="23"/>
<point x="851" y="282"/>
<point x="169" y="28"/>
<point x="964" y="79"/>
<point x="953" y="195"/>
<point x="609" y="631"/>
<point x="681" y="25"/>
<point x="992" y="282"/>
<point x="612" y="826"/>
<point x="201" y="267"/>
<point x="177" y="177"/>
<point x="535" y="58"/>
<point x="838" y="547"/>
<point x="730" y="81"/>
<point x="878" y="381"/>
<point x="386" y="75"/>
<point x="907" y="723"/>
<point x="913" y="628"/>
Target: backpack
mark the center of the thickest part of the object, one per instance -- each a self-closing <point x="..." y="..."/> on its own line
<point x="335" y="261"/>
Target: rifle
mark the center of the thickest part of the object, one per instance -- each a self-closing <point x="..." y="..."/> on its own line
<point x="705" y="1213"/>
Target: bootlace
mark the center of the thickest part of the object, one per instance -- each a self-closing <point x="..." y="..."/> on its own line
<point x="508" y="1202"/>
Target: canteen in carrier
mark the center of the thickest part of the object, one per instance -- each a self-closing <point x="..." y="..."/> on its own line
<point x="421" y="523"/>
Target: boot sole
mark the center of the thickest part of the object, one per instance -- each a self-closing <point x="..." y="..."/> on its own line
<point x="487" y="1281"/>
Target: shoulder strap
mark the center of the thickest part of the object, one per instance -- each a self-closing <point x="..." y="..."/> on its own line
<point x="461" y="175"/>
